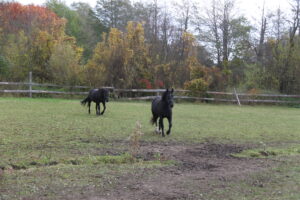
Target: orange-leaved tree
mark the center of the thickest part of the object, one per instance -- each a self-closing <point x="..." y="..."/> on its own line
<point x="30" y="38"/>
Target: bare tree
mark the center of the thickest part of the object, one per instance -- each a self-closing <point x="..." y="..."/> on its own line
<point x="222" y="30"/>
<point x="285" y="81"/>
<point x="208" y="26"/>
<point x="263" y="27"/>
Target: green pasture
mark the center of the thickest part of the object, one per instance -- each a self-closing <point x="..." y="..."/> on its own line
<point x="51" y="148"/>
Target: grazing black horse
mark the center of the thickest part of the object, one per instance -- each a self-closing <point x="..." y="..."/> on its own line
<point x="97" y="96"/>
<point x="161" y="108"/>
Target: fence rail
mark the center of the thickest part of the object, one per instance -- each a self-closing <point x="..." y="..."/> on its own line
<point x="213" y="96"/>
<point x="44" y="85"/>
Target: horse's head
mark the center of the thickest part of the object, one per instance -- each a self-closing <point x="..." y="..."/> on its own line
<point x="168" y="97"/>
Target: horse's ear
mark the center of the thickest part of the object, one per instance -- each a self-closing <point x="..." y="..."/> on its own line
<point x="172" y="90"/>
<point x="167" y="90"/>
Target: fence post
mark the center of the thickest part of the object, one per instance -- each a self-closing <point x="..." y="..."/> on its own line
<point x="237" y="97"/>
<point x="30" y="84"/>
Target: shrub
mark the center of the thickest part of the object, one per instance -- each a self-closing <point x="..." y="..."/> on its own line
<point x="135" y="140"/>
<point x="197" y="87"/>
<point x="145" y="83"/>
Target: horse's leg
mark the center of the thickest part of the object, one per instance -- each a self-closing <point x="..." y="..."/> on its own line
<point x="97" y="108"/>
<point x="104" y="108"/>
<point x="154" y="121"/>
<point x="170" y="125"/>
<point x="89" y="105"/>
<point x="157" y="128"/>
<point x="161" y="126"/>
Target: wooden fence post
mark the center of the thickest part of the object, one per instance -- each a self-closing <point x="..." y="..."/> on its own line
<point x="30" y="84"/>
<point x="237" y="97"/>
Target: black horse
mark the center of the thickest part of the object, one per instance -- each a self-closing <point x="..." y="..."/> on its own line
<point x="161" y="108"/>
<point x="97" y="96"/>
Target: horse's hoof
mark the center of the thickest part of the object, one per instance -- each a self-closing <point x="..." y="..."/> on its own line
<point x="168" y="133"/>
<point x="157" y="131"/>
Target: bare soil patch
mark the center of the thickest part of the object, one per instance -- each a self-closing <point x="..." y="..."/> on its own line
<point x="196" y="166"/>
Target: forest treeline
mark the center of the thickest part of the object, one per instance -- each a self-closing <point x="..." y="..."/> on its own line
<point x="148" y="45"/>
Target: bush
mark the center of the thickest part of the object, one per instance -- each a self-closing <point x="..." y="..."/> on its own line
<point x="197" y="87"/>
<point x="3" y="67"/>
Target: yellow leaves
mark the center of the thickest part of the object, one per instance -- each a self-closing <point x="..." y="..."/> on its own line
<point x="123" y="56"/>
<point x="115" y="38"/>
<point x="79" y="51"/>
<point x="189" y="43"/>
<point x="16" y="52"/>
<point x="197" y="87"/>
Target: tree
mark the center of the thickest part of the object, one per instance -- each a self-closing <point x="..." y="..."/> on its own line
<point x="114" y="13"/>
<point x="91" y="29"/>
<point x="17" y="56"/>
<point x="81" y="24"/>
<point x="30" y="34"/>
<point x="121" y="59"/>
<point x="208" y="24"/>
<point x="64" y="64"/>
<point x="138" y="66"/>
<point x="286" y="78"/>
<point x="224" y="31"/>
<point x="15" y="17"/>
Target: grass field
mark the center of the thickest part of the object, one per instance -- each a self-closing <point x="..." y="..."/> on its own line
<point x="52" y="149"/>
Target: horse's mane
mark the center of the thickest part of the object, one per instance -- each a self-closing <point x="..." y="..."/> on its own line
<point x="164" y="94"/>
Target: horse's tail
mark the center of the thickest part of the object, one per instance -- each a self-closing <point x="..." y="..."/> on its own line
<point x="83" y="102"/>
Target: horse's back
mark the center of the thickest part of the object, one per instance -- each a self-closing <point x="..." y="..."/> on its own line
<point x="155" y="102"/>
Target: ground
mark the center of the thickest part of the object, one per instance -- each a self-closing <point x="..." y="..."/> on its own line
<point x="52" y="149"/>
<point x="195" y="167"/>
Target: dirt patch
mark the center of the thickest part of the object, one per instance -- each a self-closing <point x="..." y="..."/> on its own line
<point x="196" y="166"/>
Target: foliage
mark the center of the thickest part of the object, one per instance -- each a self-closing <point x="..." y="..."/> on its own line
<point x="81" y="24"/>
<point x="106" y="67"/>
<point x="64" y="64"/>
<point x="73" y="23"/>
<point x="257" y="78"/>
<point x="3" y="67"/>
<point x="145" y="83"/>
<point x="16" y="17"/>
<point x="213" y="76"/>
<point x="17" y="56"/>
<point x="121" y="59"/>
<point x="122" y="44"/>
<point x="135" y="138"/>
<point x="114" y="14"/>
<point x="197" y="87"/>
<point x="32" y="36"/>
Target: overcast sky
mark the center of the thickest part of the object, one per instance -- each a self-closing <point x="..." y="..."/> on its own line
<point x="250" y="8"/>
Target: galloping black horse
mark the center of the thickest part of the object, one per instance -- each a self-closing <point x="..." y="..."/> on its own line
<point x="161" y="108"/>
<point x="97" y="96"/>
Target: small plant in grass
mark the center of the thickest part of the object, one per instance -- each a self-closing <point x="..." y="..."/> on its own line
<point x="134" y="140"/>
<point x="263" y="152"/>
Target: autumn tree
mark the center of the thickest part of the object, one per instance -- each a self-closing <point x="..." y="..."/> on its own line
<point x="120" y="60"/>
<point x="16" y="17"/>
<point x="82" y="24"/>
<point x="138" y="66"/>
<point x="16" y="54"/>
<point x="31" y="34"/>
<point x="65" y="64"/>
